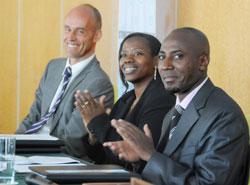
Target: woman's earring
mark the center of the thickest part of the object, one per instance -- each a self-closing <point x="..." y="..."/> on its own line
<point x="155" y="72"/>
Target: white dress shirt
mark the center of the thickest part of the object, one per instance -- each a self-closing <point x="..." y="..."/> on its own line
<point x="76" y="69"/>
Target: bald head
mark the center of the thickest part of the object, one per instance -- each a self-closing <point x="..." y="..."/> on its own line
<point x="82" y="30"/>
<point x="92" y="12"/>
<point x="193" y="37"/>
<point x="183" y="60"/>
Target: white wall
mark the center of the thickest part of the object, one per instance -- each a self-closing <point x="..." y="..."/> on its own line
<point x="155" y="17"/>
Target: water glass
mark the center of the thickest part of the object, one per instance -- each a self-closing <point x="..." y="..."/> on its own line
<point x="7" y="158"/>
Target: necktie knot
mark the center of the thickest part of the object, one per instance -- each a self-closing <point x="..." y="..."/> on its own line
<point x="68" y="72"/>
<point x="177" y="112"/>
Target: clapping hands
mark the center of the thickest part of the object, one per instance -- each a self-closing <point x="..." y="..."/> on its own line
<point x="135" y="145"/>
<point x="89" y="108"/>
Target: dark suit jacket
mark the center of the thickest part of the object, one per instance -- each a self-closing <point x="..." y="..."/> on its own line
<point x="209" y="145"/>
<point x="67" y="122"/>
<point x="151" y="109"/>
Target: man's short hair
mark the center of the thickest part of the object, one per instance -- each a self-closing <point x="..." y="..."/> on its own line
<point x="98" y="16"/>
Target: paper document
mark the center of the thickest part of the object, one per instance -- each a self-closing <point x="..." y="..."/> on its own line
<point x="35" y="137"/>
<point x="22" y="163"/>
<point x="46" y="137"/>
<point x="48" y="160"/>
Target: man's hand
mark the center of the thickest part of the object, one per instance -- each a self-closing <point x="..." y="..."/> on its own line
<point x="89" y="108"/>
<point x="136" y="144"/>
<point x="123" y="150"/>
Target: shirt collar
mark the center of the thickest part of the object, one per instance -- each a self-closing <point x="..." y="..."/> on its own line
<point x="79" y="66"/>
<point x="185" y="102"/>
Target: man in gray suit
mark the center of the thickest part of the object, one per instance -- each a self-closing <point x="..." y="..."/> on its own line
<point x="209" y="143"/>
<point x="62" y="119"/>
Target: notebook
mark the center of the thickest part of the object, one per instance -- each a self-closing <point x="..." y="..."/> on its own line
<point x="81" y="174"/>
<point x="37" y="143"/>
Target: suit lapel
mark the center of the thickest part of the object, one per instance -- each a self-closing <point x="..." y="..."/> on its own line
<point x="166" y="123"/>
<point x="78" y="79"/>
<point x="124" y="105"/>
<point x="189" y="117"/>
<point x="53" y="84"/>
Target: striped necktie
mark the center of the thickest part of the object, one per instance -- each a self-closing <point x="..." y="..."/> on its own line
<point x="169" y="132"/>
<point x="36" y="126"/>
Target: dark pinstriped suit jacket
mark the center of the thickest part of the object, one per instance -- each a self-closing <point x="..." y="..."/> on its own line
<point x="209" y="145"/>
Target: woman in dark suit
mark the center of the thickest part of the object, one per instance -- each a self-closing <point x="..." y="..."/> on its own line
<point x="147" y="103"/>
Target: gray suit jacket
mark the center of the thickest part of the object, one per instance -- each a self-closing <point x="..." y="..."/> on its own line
<point x="209" y="145"/>
<point x="67" y="123"/>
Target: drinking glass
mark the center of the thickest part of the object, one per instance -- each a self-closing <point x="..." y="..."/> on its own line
<point x="7" y="158"/>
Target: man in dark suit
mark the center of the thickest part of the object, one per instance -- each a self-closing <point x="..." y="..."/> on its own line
<point x="209" y="142"/>
<point x="54" y="100"/>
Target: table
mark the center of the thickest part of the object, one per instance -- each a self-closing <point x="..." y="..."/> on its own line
<point x="19" y="177"/>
